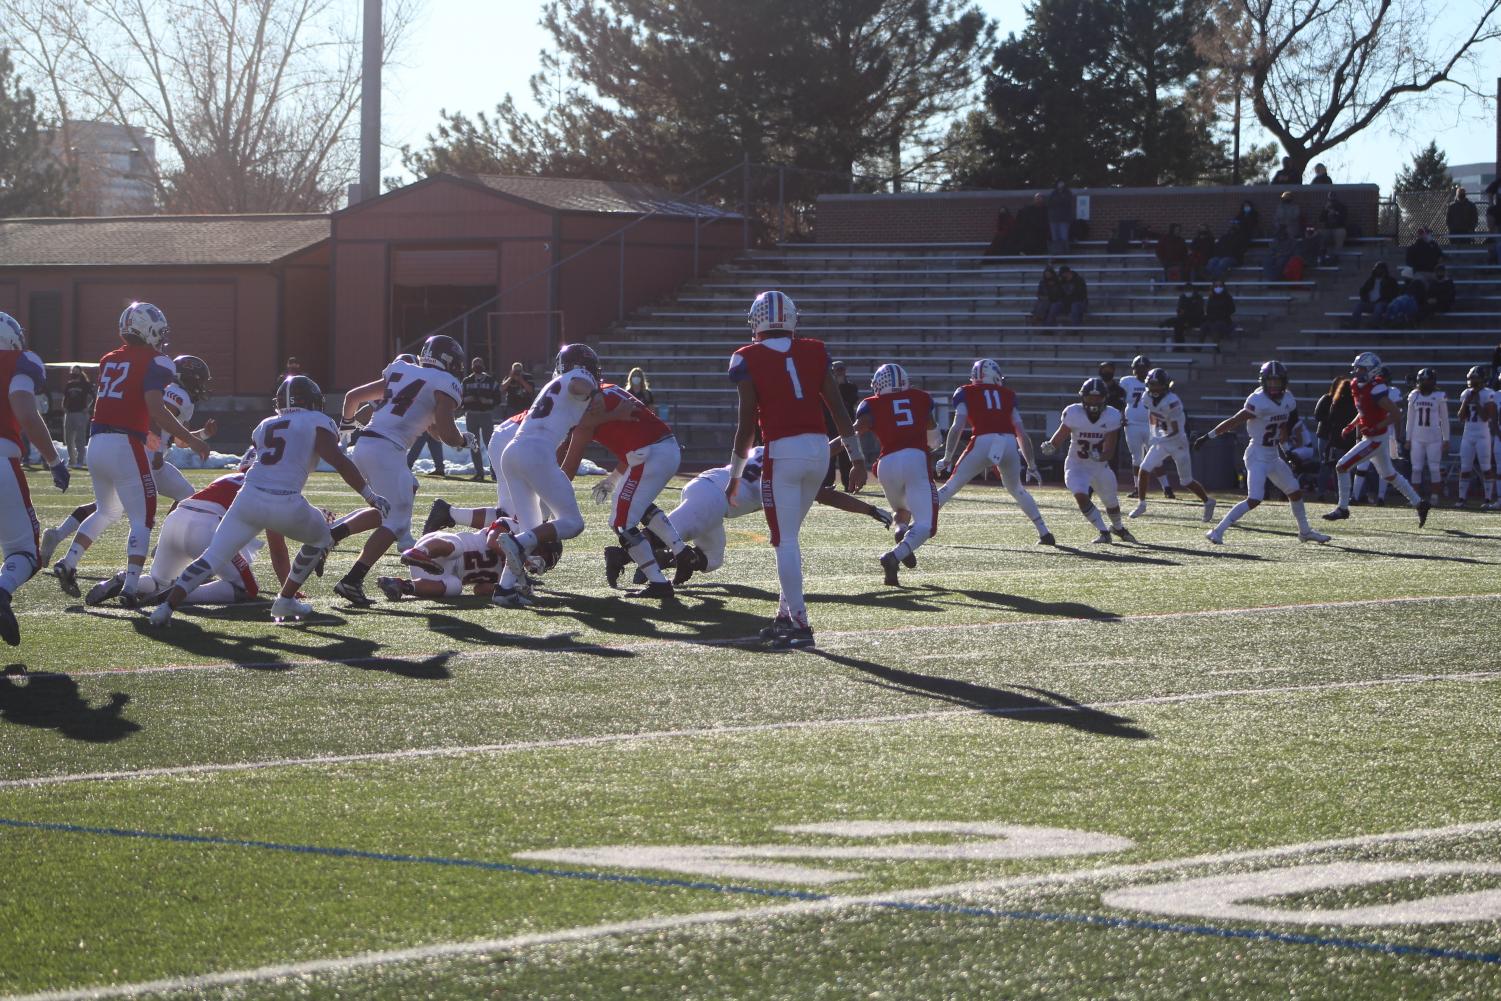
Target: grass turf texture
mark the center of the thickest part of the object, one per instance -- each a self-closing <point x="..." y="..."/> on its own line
<point x="1064" y="688"/>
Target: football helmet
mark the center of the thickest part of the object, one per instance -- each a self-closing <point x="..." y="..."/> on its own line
<point x="298" y="392"/>
<point x="1365" y="366"/>
<point x="12" y="337"/>
<point x="442" y="351"/>
<point x="772" y="311"/>
<point x="1158" y="383"/>
<point x="246" y="461"/>
<point x="544" y="557"/>
<point x="1139" y="363"/>
<point x="408" y="359"/>
<point x="1092" y="394"/>
<point x="1475" y="377"/>
<point x="1427" y="380"/>
<point x="1273" y="378"/>
<point x="573" y="356"/>
<point x="193" y="375"/>
<point x="889" y="378"/>
<point x="986" y="372"/>
<point x="143" y="322"/>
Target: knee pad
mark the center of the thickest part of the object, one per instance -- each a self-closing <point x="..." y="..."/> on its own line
<point x="569" y="528"/>
<point x="651" y="512"/>
<point x="629" y="537"/>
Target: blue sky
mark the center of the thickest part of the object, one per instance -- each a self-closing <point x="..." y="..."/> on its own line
<point x="466" y="54"/>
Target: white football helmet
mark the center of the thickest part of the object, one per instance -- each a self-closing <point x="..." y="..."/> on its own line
<point x="12" y="337"/>
<point x="986" y="372"/>
<point x="772" y="311"/>
<point x="889" y="378"/>
<point x="146" y="324"/>
<point x="1365" y="366"/>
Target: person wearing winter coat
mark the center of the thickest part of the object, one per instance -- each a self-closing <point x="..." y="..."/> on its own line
<point x="1287" y="214"/>
<point x="1424" y="255"/>
<point x="1219" y="312"/>
<point x="1335" y="218"/>
<point x="1461" y="217"/>
<point x="1376" y="294"/>
<point x="1060" y="216"/>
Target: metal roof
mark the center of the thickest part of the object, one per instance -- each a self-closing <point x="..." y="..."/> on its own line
<point x="147" y="241"/>
<point x="567" y="194"/>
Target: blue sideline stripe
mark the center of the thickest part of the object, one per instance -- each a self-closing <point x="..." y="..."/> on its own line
<point x="1051" y="917"/>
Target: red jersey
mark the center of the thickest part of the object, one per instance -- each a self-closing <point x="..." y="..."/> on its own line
<point x="898" y="420"/>
<point x="222" y="491"/>
<point x="1370" y="418"/>
<point x="15" y="365"/>
<point x="789" y="385"/>
<point x="988" y="408"/>
<point x="126" y="375"/>
<point x="623" y="437"/>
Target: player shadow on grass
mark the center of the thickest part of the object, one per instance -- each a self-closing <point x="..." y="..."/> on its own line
<point x="481" y="634"/>
<point x="706" y="616"/>
<point x="1023" y="703"/>
<point x="52" y="701"/>
<point x="1425" y="557"/>
<point x="1028" y="606"/>
<point x="887" y="599"/>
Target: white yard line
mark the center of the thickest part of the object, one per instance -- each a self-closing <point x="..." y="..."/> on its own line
<point x="346" y="964"/>
<point x="733" y="730"/>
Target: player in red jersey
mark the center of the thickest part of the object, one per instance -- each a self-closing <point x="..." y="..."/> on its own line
<point x="902" y="420"/>
<point x="997" y="438"/>
<point x="1376" y="411"/>
<point x="785" y="382"/>
<point x="132" y="379"/>
<point x="649" y="457"/>
<point x="23" y="376"/>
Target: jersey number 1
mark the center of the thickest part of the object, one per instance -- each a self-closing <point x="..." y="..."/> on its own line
<point x="797" y="385"/>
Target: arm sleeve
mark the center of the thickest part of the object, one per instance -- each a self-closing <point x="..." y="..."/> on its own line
<point x="160" y="374"/>
<point x="30" y="375"/>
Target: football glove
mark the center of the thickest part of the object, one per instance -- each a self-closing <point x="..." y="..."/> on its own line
<point x="601" y="491"/>
<point x="1034" y="476"/>
<point x="471" y="442"/>
<point x="1200" y="442"/>
<point x="942" y="468"/>
<point x="376" y="501"/>
<point x="1048" y="448"/>
<point x="61" y="475"/>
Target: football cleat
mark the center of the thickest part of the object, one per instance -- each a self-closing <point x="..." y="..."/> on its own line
<point x="653" y="589"/>
<point x="129" y="599"/>
<point x="889" y="564"/>
<point x="10" y="629"/>
<point x="511" y="551"/>
<point x="691" y="561"/>
<point x="439" y="517"/>
<point x="1139" y="510"/>
<point x="510" y="597"/>
<point x="781" y="624"/>
<point x="793" y="638"/>
<point x="421" y="560"/>
<point x="1123" y="533"/>
<point x="1312" y="536"/>
<point x="1215" y="537"/>
<point x="106" y="589"/>
<point x="1423" y="508"/>
<point x="353" y="593"/>
<point x="282" y="609"/>
<point x="51" y="537"/>
<point x="1338" y="514"/>
<point x="1167" y="492"/>
<point x="390" y="587"/>
<point x="1046" y="539"/>
<point x="616" y="561"/>
<point x="910" y="561"/>
<point x="67" y="579"/>
<point x="1209" y="507"/>
<point x="1103" y="539"/>
<point x="162" y="614"/>
<point x="1492" y="506"/>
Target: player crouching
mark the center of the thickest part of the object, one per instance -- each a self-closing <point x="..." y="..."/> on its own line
<point x="443" y="564"/>
<point x="1094" y="427"/>
<point x="1169" y="440"/>
<point x="902" y="420"/>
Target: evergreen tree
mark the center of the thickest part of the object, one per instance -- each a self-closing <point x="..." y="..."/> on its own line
<point x="1429" y="171"/>
<point x="31" y="181"/>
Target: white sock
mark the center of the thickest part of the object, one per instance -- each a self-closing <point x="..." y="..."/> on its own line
<point x="1405" y="489"/>
<point x="1092" y="513"/>
<point x="1301" y="514"/>
<point x="75" y="553"/>
<point x="646" y="560"/>
<point x="1232" y="516"/>
<point x="790" y="574"/>
<point x="1344" y="487"/>
<point x="473" y="517"/>
<point x="661" y="526"/>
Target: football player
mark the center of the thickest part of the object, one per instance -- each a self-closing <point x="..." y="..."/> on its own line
<point x="533" y="476"/>
<point x="133" y="381"/>
<point x="1169" y="441"/>
<point x="1376" y="411"/>
<point x="784" y="384"/>
<point x="1268" y="414"/>
<point x="443" y="515"/>
<point x="415" y="399"/>
<point x="902" y="420"/>
<point x="287" y="447"/>
<point x="443" y="564"/>
<point x="1094" y="427"/>
<point x="1428" y="432"/>
<point x="649" y="457"/>
<point x="1138" y="423"/>
<point x="24" y="376"/>
<point x="1477" y="412"/>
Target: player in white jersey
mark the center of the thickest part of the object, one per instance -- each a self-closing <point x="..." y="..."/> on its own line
<point x="443" y="564"/>
<point x="1138" y="428"/>
<point x="1094" y="428"/>
<point x="531" y="471"/>
<point x="415" y="399"/>
<point x="443" y="515"/>
<point x="1428" y="432"/>
<point x="1268" y="415"/>
<point x="287" y="447"/>
<point x="1477" y="412"/>
<point x="1169" y="441"/>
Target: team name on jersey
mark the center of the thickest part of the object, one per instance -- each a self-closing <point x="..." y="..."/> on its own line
<point x="1427" y="410"/>
<point x="1088" y="434"/>
<point x="1268" y="416"/>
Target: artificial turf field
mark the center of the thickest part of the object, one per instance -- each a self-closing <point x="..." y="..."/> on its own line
<point x="1029" y="773"/>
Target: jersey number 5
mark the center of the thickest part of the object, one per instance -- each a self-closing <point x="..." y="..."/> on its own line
<point x="275" y="445"/>
<point x="903" y="411"/>
<point x="112" y="379"/>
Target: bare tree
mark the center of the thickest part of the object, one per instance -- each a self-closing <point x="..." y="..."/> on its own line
<point x="255" y="101"/>
<point x="1319" y="71"/>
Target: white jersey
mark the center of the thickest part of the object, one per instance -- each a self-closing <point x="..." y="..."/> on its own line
<point x="1268" y="417"/>
<point x="1088" y="435"/>
<point x="1136" y="400"/>
<point x="406" y="411"/>
<point x="178" y="399"/>
<point x="1427" y="417"/>
<point x="284" y="450"/>
<point x="557" y="410"/>
<point x="1167" y="417"/>
<point x="472" y="560"/>
<point x="748" y="497"/>
<point x="1472" y="412"/>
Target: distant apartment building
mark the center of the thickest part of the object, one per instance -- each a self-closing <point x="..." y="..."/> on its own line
<point x="115" y="164"/>
<point x="1473" y="176"/>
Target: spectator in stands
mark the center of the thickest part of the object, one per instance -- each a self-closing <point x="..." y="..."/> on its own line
<point x="1172" y="254"/>
<point x="1060" y="216"/>
<point x="1406" y="305"/>
<point x="1189" y="314"/>
<point x="518" y="389"/>
<point x="1200" y="250"/>
<point x="78" y="404"/>
<point x="849" y="391"/>
<point x="1249" y="218"/>
<point x="1438" y="296"/>
<point x="1375" y="294"/>
<point x="1289" y="174"/>
<point x="1032" y="226"/>
<point x="1278" y="254"/>
<point x="1310" y="249"/>
<point x="1075" y="295"/>
<point x="1461" y="216"/>
<point x="1219" y="313"/>
<point x="637" y="386"/>
<point x="1287" y="215"/>
<point x="1424" y="254"/>
<point x="1334" y="217"/>
<point x="1228" y="251"/>
<point x="1003" y="241"/>
<point x="1320" y="175"/>
<point x="1049" y="291"/>
<point x="482" y="395"/>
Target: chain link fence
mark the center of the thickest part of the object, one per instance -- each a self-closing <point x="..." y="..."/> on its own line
<point x="1409" y="211"/>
